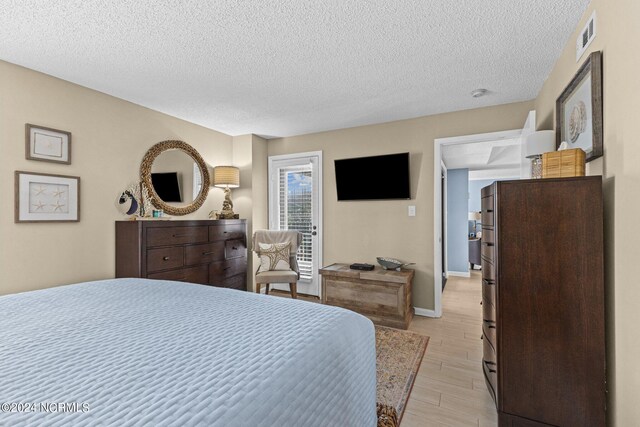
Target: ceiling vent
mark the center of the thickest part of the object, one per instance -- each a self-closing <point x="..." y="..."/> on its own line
<point x="586" y="36"/>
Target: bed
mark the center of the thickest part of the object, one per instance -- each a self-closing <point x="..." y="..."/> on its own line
<point x="145" y="352"/>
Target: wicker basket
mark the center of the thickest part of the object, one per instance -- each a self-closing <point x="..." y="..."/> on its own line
<point x="563" y="164"/>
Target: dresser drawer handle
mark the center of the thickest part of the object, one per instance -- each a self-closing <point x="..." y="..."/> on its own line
<point x="489" y="210"/>
<point x="493" y="371"/>
<point x="226" y="268"/>
<point x="487" y="243"/>
<point x="208" y="253"/>
<point x="488" y="282"/>
<point x="234" y="248"/>
<point x="181" y="235"/>
<point x="224" y="232"/>
<point x="165" y="258"/>
<point x="489" y="324"/>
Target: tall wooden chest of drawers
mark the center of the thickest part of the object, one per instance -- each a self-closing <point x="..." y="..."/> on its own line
<point x="543" y="301"/>
<point x="209" y="252"/>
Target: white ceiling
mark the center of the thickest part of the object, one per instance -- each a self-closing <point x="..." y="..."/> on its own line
<point x="280" y="68"/>
<point x="494" y="158"/>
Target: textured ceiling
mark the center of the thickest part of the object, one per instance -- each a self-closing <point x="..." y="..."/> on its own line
<point x="279" y="68"/>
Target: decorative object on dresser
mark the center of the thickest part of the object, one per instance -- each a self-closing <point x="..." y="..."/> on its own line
<point x="384" y="296"/>
<point x="170" y="154"/>
<point x="135" y="202"/>
<point x="47" y="144"/>
<point x="226" y="177"/>
<point x="276" y="248"/>
<point x="536" y="144"/>
<point x="579" y="110"/>
<point x="208" y="252"/>
<point x="543" y="301"/>
<point x="42" y="197"/>
<point x="392" y="263"/>
<point x="563" y="163"/>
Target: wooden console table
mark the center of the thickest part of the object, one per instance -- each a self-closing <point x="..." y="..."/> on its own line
<point x="384" y="296"/>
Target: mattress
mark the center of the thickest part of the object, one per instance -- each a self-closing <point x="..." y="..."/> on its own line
<point x="139" y="352"/>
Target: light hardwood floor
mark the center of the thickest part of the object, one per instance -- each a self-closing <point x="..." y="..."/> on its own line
<point x="449" y="389"/>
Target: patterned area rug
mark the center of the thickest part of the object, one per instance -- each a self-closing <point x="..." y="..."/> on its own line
<point x="398" y="357"/>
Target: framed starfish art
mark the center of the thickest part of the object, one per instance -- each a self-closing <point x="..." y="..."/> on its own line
<point x="46" y="198"/>
<point x="48" y="144"/>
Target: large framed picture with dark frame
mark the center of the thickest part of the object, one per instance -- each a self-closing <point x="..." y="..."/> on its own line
<point x="579" y="110"/>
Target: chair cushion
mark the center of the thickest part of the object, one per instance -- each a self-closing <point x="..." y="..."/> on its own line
<point x="277" y="277"/>
<point x="274" y="257"/>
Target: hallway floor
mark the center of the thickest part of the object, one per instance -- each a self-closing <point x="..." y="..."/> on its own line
<point x="449" y="389"/>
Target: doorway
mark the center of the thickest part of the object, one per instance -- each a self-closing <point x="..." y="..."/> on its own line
<point x="440" y="261"/>
<point x="295" y="203"/>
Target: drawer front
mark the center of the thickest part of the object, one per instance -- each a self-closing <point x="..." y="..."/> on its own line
<point x="223" y="269"/>
<point x="168" y="236"/>
<point x="198" y="274"/>
<point x="488" y="311"/>
<point x="489" y="332"/>
<point x="200" y="254"/>
<point x="238" y="282"/>
<point x="488" y="235"/>
<point x="488" y="270"/>
<point x="487" y="211"/>
<point x="164" y="258"/>
<point x="488" y="251"/>
<point x="489" y="353"/>
<point x="491" y="377"/>
<point x="235" y="249"/>
<point x="364" y="298"/>
<point x="226" y="232"/>
<point x="489" y="292"/>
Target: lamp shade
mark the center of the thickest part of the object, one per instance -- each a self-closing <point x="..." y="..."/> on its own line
<point x="539" y="142"/>
<point x="226" y="176"/>
<point x="475" y="216"/>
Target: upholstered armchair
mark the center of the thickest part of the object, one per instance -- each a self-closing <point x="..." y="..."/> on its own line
<point x="290" y="276"/>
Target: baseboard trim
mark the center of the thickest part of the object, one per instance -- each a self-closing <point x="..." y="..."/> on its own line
<point x="459" y="273"/>
<point x="425" y="312"/>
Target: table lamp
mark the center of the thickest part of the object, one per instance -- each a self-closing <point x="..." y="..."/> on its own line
<point x="535" y="145"/>
<point x="226" y="177"/>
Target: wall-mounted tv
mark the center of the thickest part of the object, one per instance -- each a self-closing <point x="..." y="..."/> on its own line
<point x="167" y="186"/>
<point x="373" y="178"/>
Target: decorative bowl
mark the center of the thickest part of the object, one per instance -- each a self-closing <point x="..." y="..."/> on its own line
<point x="391" y="264"/>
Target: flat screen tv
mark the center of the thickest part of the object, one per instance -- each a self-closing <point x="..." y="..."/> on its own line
<point x="373" y="178"/>
<point x="167" y="186"/>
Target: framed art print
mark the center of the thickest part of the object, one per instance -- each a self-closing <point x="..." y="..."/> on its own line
<point x="47" y="144"/>
<point x="46" y="198"/>
<point x="579" y="110"/>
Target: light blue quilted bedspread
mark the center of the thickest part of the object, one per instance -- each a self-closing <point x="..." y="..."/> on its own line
<point x="137" y="352"/>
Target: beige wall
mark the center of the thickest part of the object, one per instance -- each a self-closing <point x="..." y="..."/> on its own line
<point x="110" y="137"/>
<point x="618" y="36"/>
<point x="250" y="199"/>
<point x="360" y="231"/>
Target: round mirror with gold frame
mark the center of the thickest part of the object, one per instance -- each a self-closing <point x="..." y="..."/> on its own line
<point x="176" y="177"/>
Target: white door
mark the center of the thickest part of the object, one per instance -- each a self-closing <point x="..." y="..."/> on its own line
<point x="295" y="203"/>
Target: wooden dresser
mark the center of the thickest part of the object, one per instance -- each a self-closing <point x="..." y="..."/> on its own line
<point x="384" y="296"/>
<point x="210" y="252"/>
<point x="543" y="301"/>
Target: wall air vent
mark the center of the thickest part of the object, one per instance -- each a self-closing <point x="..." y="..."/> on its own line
<point x="586" y="36"/>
